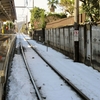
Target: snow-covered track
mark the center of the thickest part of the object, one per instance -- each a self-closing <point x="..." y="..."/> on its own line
<point x="79" y="92"/>
<point x="30" y="74"/>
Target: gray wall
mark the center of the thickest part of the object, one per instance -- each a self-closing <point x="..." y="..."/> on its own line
<point x="62" y="39"/>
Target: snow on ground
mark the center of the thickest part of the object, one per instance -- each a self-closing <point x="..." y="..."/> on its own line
<point x="20" y="85"/>
<point x="52" y="87"/>
<point x="84" y="77"/>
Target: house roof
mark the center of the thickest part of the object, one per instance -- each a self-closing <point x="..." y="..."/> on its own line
<point x="7" y="10"/>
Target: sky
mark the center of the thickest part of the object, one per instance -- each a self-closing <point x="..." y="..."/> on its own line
<point x="84" y="77"/>
<point x="22" y="12"/>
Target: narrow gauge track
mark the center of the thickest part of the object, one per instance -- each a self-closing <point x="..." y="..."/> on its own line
<point x="79" y="92"/>
<point x="30" y="75"/>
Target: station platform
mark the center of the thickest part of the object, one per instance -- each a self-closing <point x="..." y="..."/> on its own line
<point x="4" y="44"/>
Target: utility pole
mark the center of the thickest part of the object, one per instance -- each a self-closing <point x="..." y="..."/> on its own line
<point x="99" y="8"/>
<point x="33" y="3"/>
<point x="26" y="24"/>
<point x="76" y="31"/>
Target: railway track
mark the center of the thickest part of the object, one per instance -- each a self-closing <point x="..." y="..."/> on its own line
<point x="30" y="74"/>
<point x="79" y="92"/>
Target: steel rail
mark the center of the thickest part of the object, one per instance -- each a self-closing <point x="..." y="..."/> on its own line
<point x="30" y="74"/>
<point x="61" y="75"/>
